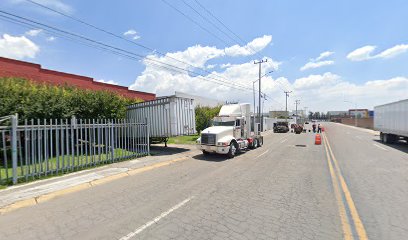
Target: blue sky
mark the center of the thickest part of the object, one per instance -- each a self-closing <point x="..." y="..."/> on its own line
<point x="290" y="34"/>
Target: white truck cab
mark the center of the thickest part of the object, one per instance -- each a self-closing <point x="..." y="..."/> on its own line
<point x="230" y="132"/>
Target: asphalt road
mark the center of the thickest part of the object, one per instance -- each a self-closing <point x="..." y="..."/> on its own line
<point x="352" y="188"/>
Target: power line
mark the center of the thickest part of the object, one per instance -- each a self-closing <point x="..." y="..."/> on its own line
<point x="194" y="21"/>
<point x="206" y="19"/>
<point x="109" y="48"/>
<point x="226" y="27"/>
<point x="117" y="36"/>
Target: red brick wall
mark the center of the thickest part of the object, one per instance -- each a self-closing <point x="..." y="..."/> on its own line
<point x="361" y="122"/>
<point x="34" y="72"/>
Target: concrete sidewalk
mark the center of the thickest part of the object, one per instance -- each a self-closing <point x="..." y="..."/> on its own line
<point x="32" y="193"/>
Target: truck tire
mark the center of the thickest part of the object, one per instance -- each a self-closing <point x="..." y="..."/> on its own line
<point x="205" y="152"/>
<point x="255" y="143"/>
<point x="260" y="142"/>
<point x="389" y="138"/>
<point x="232" y="150"/>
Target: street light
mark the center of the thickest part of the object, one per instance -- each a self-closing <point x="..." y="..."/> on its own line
<point x="355" y="114"/>
<point x="253" y="88"/>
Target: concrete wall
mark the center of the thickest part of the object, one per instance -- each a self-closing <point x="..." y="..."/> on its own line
<point x="361" y="122"/>
<point x="34" y="72"/>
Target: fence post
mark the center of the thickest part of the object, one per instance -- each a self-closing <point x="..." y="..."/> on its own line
<point x="112" y="140"/>
<point x="148" y="137"/>
<point x="14" y="124"/>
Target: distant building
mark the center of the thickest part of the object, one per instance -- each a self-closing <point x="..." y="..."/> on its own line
<point x="359" y="113"/>
<point x="200" y="101"/>
<point x="300" y="113"/>
<point x="337" y="113"/>
<point x="278" y="114"/>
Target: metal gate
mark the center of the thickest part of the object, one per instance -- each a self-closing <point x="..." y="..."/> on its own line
<point x="39" y="148"/>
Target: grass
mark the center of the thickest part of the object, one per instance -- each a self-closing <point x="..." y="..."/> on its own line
<point x="66" y="164"/>
<point x="184" y="139"/>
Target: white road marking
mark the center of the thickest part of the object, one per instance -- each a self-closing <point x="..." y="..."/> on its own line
<point x="284" y="140"/>
<point x="262" y="154"/>
<point x="162" y="215"/>
<point x="383" y="148"/>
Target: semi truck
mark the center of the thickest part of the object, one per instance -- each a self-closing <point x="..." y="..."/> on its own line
<point x="231" y="132"/>
<point x="392" y="121"/>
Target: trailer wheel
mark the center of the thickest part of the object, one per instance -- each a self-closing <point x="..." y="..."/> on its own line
<point x="231" y="152"/>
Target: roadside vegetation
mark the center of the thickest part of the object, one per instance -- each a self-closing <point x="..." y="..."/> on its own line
<point x="41" y="101"/>
<point x="204" y="115"/>
<point x="184" y="139"/>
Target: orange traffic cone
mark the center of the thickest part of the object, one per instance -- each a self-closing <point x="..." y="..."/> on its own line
<point x="318" y="139"/>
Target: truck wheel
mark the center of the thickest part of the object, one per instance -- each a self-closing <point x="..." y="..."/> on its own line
<point x="260" y="142"/>
<point x="205" y="152"/>
<point x="231" y="152"/>
<point x="255" y="143"/>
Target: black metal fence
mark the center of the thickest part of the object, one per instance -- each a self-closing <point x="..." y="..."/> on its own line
<point x="40" y="148"/>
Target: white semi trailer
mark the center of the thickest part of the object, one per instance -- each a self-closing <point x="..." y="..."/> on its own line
<point x="231" y="132"/>
<point x="392" y="121"/>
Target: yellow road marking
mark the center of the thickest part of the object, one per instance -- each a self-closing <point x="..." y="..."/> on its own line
<point x="361" y="232"/>
<point x="342" y="210"/>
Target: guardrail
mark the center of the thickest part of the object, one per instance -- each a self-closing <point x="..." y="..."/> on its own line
<point x="41" y="148"/>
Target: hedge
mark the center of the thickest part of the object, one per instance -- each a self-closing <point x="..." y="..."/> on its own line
<point x="40" y="101"/>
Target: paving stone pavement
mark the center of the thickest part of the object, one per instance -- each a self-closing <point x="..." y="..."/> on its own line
<point x="279" y="191"/>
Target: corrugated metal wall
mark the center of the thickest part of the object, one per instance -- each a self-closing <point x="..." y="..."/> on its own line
<point x="167" y="117"/>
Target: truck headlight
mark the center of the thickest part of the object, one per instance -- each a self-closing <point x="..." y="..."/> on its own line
<point x="222" y="144"/>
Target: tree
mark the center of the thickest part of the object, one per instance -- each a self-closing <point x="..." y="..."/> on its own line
<point x="204" y="115"/>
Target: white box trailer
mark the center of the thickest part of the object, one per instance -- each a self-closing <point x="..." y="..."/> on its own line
<point x="392" y="121"/>
<point x="167" y="117"/>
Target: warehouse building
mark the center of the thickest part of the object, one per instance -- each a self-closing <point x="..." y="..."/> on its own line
<point x="34" y="72"/>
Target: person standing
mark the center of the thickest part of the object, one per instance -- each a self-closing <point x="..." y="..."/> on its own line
<point x="314" y="127"/>
<point x="319" y="128"/>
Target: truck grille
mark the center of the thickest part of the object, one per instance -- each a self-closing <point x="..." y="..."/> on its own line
<point x="208" y="139"/>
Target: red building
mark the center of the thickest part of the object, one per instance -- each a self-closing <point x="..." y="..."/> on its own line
<point x="34" y="72"/>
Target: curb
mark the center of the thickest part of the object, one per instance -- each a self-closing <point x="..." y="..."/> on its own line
<point x="48" y="196"/>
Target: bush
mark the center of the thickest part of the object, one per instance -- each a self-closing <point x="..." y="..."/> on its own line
<point x="32" y="100"/>
<point x="204" y="115"/>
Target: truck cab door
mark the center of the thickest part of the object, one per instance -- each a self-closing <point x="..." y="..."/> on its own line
<point x="238" y="129"/>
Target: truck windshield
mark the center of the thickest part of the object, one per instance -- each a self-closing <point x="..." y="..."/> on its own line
<point x="229" y="123"/>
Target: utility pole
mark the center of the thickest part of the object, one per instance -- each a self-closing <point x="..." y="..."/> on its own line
<point x="259" y="101"/>
<point x="297" y="102"/>
<point x="286" y="109"/>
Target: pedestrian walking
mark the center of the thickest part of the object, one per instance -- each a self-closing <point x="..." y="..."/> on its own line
<point x="319" y="128"/>
<point x="314" y="127"/>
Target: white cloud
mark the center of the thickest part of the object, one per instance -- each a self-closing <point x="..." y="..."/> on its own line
<point x="17" y="47"/>
<point x="311" y="65"/>
<point x="251" y="48"/>
<point x="107" y="81"/>
<point x="225" y="65"/>
<point x="58" y="5"/>
<point x="34" y="32"/>
<point x="315" y="81"/>
<point x="50" y="39"/>
<point x="316" y="63"/>
<point x="361" y="54"/>
<point x="211" y="66"/>
<point x="394" y="51"/>
<point x="365" y="53"/>
<point x="132" y="33"/>
<point x="324" y="55"/>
